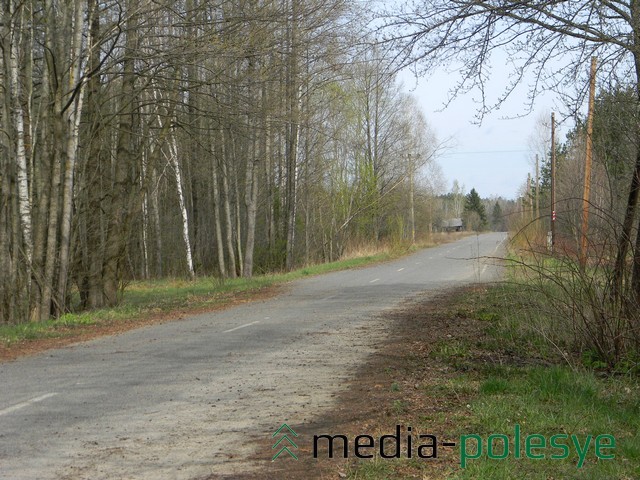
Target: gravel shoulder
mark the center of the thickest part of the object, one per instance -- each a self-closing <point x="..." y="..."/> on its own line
<point x="399" y="383"/>
<point x="193" y="398"/>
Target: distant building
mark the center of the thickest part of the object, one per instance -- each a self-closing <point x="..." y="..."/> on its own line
<point x="452" y="225"/>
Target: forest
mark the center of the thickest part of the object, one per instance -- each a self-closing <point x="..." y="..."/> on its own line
<point x="225" y="138"/>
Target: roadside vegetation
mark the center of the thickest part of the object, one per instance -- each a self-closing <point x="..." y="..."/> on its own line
<point x="478" y="362"/>
<point x="553" y="350"/>
<point x="147" y="301"/>
<point x="143" y="300"/>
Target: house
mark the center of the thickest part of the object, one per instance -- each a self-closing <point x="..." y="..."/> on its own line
<point x="452" y="225"/>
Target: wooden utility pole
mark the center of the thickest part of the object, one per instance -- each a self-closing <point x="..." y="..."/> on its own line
<point x="587" y="168"/>
<point x="529" y="195"/>
<point x="553" y="181"/>
<point x="537" y="187"/>
<point x="412" y="211"/>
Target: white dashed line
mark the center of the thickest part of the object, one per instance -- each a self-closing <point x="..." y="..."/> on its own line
<point x="374" y="281"/>
<point x="241" y="326"/>
<point x="401" y="269"/>
<point x="27" y="403"/>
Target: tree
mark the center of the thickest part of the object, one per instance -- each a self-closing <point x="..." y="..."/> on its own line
<point x="474" y="211"/>
<point x="613" y="145"/>
<point x="534" y="35"/>
<point x="540" y="145"/>
<point x="497" y="220"/>
<point x="151" y="138"/>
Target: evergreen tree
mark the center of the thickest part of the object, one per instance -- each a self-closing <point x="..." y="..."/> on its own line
<point x="497" y="220"/>
<point x="473" y="205"/>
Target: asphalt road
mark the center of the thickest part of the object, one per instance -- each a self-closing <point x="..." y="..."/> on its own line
<point x="184" y="399"/>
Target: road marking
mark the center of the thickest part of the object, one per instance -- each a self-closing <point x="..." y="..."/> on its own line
<point x="374" y="281"/>
<point x="27" y="403"/>
<point x="401" y="269"/>
<point x="241" y="326"/>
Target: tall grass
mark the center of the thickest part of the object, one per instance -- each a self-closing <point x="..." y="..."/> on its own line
<point x="502" y="373"/>
<point x="537" y="382"/>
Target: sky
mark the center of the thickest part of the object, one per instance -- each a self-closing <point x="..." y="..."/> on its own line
<point x="494" y="157"/>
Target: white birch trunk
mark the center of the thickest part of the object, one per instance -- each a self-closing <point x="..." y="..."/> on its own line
<point x="173" y="159"/>
<point x="24" y="202"/>
<point x="175" y="165"/>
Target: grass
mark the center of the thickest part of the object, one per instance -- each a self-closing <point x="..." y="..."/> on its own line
<point x="508" y="374"/>
<point x="144" y="299"/>
<point x="544" y="393"/>
<point x="557" y="400"/>
<point x="376" y="469"/>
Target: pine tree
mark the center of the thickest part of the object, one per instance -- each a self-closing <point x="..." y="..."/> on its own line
<point x="496" y="217"/>
<point x="473" y="204"/>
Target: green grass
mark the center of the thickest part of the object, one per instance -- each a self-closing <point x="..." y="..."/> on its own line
<point x="375" y="469"/>
<point x="558" y="400"/>
<point x="545" y="394"/>
<point x="530" y="383"/>
<point x="142" y="299"/>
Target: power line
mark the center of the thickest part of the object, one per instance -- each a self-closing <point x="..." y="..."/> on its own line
<point x="482" y="152"/>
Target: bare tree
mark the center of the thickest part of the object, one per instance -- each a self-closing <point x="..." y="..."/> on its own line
<point x="540" y="144"/>
<point x="552" y="41"/>
<point x="267" y="113"/>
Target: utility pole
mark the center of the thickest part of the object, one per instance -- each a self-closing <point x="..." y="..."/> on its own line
<point x="529" y="195"/>
<point x="553" y="182"/>
<point x="412" y="210"/>
<point x="537" y="187"/>
<point x="587" y="167"/>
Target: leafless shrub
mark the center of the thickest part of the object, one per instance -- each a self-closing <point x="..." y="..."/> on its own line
<point x="589" y="313"/>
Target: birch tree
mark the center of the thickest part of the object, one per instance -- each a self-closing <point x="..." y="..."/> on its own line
<point x="152" y="138"/>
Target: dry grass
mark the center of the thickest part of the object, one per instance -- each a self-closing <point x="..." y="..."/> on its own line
<point x="395" y="249"/>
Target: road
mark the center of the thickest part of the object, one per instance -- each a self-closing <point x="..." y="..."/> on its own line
<point x="184" y="399"/>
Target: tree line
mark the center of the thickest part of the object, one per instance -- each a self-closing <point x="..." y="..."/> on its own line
<point x="143" y="139"/>
<point x="550" y="45"/>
